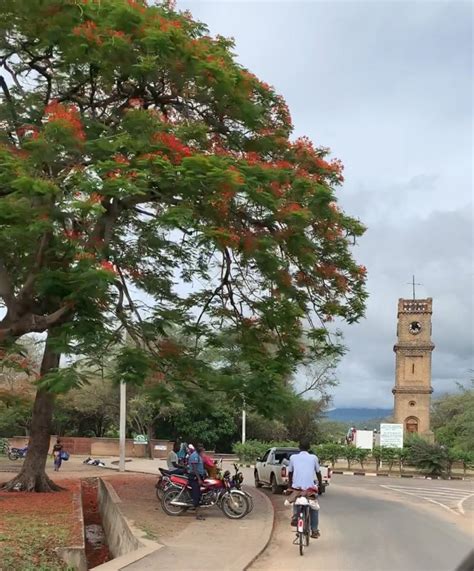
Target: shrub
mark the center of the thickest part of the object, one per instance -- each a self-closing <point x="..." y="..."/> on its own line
<point x="361" y="455"/>
<point x="253" y="449"/>
<point x="350" y="454"/>
<point x="329" y="452"/>
<point x="431" y="459"/>
<point x="389" y="455"/>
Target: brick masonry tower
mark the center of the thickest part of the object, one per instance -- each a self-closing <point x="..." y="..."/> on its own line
<point x="412" y="391"/>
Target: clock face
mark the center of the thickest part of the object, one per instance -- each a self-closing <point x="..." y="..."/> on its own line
<point x="414" y="327"/>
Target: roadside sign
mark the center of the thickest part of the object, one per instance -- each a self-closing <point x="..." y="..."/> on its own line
<point x="364" y="439"/>
<point x="391" y="435"/>
<point x="140" y="439"/>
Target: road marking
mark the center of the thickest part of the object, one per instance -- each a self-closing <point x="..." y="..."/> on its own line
<point x="450" y="499"/>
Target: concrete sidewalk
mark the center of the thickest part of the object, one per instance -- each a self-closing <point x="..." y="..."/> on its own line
<point x="217" y="542"/>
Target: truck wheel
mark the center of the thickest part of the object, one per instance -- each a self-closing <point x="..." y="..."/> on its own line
<point x="276" y="489"/>
<point x="258" y="484"/>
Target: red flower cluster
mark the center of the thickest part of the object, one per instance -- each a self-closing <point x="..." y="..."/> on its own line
<point x="95" y="198"/>
<point x="28" y="131"/>
<point x="89" y="31"/>
<point x="68" y="116"/>
<point x="108" y="266"/>
<point x="137" y="5"/>
<point x="173" y="144"/>
<point x="121" y="159"/>
<point x="168" y="348"/>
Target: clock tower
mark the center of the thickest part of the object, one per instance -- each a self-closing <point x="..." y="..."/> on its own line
<point x="412" y="391"/>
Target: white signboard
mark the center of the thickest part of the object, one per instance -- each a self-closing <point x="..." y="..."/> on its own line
<point x="391" y="435"/>
<point x="160" y="447"/>
<point x="364" y="439"/>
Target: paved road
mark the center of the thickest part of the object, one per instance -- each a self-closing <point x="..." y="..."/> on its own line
<point x="370" y="524"/>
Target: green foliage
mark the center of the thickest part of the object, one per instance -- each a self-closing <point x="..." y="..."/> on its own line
<point x="261" y="428"/>
<point x="453" y="419"/>
<point x="350" y="454"/>
<point x="431" y="459"/>
<point x="133" y="366"/>
<point x="253" y="449"/>
<point x="331" y="431"/>
<point x="362" y="455"/>
<point x="329" y="452"/>
<point x="377" y="456"/>
<point x="388" y="456"/>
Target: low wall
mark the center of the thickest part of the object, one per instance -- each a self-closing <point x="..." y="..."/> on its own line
<point x="120" y="537"/>
<point x="126" y="543"/>
<point x="98" y="447"/>
<point x="75" y="555"/>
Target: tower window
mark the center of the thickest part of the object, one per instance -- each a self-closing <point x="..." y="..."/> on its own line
<point x="413" y="368"/>
<point x="412" y="403"/>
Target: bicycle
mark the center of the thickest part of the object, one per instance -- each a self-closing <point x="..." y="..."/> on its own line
<point x="303" y="525"/>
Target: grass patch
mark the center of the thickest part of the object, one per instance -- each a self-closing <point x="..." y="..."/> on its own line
<point x="27" y="544"/>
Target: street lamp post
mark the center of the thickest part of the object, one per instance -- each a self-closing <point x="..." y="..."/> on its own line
<point x="244" y="421"/>
<point x="123" y="417"/>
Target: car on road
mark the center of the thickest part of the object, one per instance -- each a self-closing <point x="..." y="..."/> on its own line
<point x="272" y="470"/>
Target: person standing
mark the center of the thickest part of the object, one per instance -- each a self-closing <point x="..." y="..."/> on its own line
<point x="301" y="473"/>
<point x="57" y="452"/>
<point x="196" y="476"/>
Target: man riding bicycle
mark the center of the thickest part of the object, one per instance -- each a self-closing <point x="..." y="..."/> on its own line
<point x="301" y="471"/>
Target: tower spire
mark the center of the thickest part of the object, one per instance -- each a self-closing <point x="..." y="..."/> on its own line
<point x="413" y="284"/>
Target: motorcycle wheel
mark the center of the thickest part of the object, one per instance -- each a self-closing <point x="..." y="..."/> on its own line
<point x="235" y="506"/>
<point x="13" y="456"/>
<point x="250" y="501"/>
<point x="168" y="497"/>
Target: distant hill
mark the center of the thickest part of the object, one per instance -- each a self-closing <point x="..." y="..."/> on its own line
<point x="358" y="415"/>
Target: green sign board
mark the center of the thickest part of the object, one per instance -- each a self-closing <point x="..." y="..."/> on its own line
<point x="140" y="439"/>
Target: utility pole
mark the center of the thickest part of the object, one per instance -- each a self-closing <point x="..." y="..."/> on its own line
<point x="244" y="420"/>
<point x="123" y="418"/>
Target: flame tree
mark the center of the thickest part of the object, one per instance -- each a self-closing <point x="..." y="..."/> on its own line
<point x="149" y="182"/>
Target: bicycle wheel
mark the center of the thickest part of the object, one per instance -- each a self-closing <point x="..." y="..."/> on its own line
<point x="300" y="533"/>
<point x="307" y="530"/>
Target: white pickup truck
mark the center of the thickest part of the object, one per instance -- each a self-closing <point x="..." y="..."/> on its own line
<point x="272" y="470"/>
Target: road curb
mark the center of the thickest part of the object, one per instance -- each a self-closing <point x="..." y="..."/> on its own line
<point x="415" y="477"/>
<point x="270" y="503"/>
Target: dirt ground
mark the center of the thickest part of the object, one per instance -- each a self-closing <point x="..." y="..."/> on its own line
<point x="137" y="492"/>
<point x="141" y="506"/>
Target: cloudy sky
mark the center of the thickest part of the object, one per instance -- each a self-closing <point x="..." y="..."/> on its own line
<point x="386" y="85"/>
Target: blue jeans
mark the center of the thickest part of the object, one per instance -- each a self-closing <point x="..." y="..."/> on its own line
<point x="314" y="515"/>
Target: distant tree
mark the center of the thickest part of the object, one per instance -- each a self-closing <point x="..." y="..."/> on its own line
<point x="452" y="419"/>
<point x="389" y="456"/>
<point x="362" y="455"/>
<point x="377" y="456"/>
<point x="350" y="454"/>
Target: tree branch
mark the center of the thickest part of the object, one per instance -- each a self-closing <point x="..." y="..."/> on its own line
<point x="31" y="323"/>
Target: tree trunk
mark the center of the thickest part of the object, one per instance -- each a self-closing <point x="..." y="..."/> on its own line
<point x="32" y="477"/>
<point x="151" y="436"/>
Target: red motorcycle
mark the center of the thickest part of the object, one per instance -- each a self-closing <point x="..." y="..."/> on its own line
<point x="215" y="492"/>
<point x="164" y="483"/>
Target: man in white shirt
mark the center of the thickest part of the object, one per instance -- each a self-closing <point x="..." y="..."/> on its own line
<point x="301" y="472"/>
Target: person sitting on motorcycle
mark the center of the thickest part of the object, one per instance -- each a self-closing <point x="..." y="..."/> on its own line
<point x="301" y="471"/>
<point x="209" y="465"/>
<point x="172" y="460"/>
<point x="196" y="475"/>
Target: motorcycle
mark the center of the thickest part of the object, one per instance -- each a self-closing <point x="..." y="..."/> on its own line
<point x="236" y="482"/>
<point x="15" y="453"/>
<point x="164" y="483"/>
<point x="214" y="492"/>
